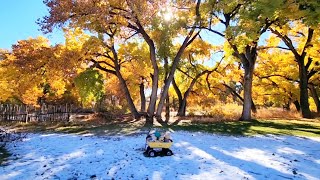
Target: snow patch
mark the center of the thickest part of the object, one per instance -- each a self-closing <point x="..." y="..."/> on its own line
<point x="196" y="156"/>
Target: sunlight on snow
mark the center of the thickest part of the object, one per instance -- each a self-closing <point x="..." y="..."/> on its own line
<point x="260" y="157"/>
<point x="196" y="152"/>
<point x="287" y="150"/>
<point x="48" y="135"/>
<point x="201" y="157"/>
<point x="212" y="173"/>
<point x="72" y="155"/>
<point x="100" y="152"/>
<point x="156" y="175"/>
<point x="11" y="175"/>
<point x="113" y="171"/>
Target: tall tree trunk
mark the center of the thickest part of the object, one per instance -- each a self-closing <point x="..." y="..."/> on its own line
<point x="155" y="78"/>
<point x="167" y="109"/>
<point x="247" y="100"/>
<point x="131" y="105"/>
<point x="248" y="60"/>
<point x="166" y="68"/>
<point x="124" y="86"/>
<point x="142" y="97"/>
<point x="182" y="108"/>
<point x="303" y="85"/>
<point x="153" y="98"/>
<point x="315" y="97"/>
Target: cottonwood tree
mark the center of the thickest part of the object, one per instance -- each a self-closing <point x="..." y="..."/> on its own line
<point x="299" y="27"/>
<point x="24" y="69"/>
<point x="90" y="86"/>
<point x="242" y="23"/>
<point x="299" y="39"/>
<point x="131" y="17"/>
<point x="35" y="70"/>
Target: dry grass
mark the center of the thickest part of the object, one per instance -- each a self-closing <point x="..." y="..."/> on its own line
<point x="276" y="113"/>
<point x="217" y="113"/>
<point x="232" y="112"/>
<point x="80" y="124"/>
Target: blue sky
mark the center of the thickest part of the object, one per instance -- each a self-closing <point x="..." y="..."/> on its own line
<point x="18" y="21"/>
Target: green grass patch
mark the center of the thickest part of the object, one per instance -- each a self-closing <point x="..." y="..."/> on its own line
<point x="306" y="128"/>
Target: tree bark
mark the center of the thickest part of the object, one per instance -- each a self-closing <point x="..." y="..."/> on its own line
<point x="315" y="97"/>
<point x="248" y="60"/>
<point x="247" y="99"/>
<point x="167" y="109"/>
<point x="303" y="85"/>
<point x="166" y="68"/>
<point x="182" y="108"/>
<point x="142" y="97"/>
<point x="297" y="105"/>
<point x="123" y="84"/>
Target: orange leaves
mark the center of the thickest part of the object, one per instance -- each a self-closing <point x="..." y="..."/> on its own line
<point x="33" y="66"/>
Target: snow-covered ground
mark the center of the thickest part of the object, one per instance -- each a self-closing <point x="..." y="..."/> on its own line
<point x="196" y="156"/>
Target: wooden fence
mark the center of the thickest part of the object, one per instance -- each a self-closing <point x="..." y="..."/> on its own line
<point x="27" y="113"/>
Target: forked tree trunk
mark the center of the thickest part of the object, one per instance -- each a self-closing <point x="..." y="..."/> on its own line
<point x="155" y="77"/>
<point x="168" y="81"/>
<point x="183" y="100"/>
